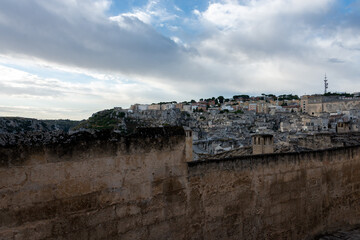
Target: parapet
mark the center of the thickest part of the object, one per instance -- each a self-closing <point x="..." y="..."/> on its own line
<point x="59" y="146"/>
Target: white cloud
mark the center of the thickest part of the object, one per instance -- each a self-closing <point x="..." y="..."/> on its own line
<point x="152" y="13"/>
<point x="231" y="47"/>
<point x="196" y="12"/>
<point x="274" y="36"/>
<point x="178" y="9"/>
<point x="28" y="95"/>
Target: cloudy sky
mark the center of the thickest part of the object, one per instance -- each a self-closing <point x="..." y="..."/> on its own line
<point x="71" y="58"/>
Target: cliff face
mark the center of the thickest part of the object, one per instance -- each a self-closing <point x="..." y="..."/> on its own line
<point x="15" y="149"/>
<point x="127" y="122"/>
<point x="19" y="125"/>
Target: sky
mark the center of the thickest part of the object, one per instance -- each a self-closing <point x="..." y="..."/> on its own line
<point x="70" y="58"/>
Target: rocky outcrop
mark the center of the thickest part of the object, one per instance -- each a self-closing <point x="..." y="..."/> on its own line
<point x="21" y="125"/>
<point x="15" y="149"/>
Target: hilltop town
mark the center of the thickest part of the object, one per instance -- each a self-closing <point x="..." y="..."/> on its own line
<point x="224" y="127"/>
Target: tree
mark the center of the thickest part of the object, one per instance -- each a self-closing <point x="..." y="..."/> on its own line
<point x="221" y="99"/>
<point x="244" y="97"/>
<point x="193" y="101"/>
<point x="272" y="96"/>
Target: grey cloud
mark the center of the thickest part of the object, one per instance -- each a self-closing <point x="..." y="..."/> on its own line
<point x="6" y="89"/>
<point x="78" y="37"/>
<point x="73" y="37"/>
<point x="335" y="60"/>
<point x="30" y="28"/>
<point x="44" y="112"/>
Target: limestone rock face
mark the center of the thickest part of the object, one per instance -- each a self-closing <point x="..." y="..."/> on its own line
<point x="21" y="125"/>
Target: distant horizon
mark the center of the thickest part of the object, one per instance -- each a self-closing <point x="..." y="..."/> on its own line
<point x="197" y="100"/>
<point x="66" y="59"/>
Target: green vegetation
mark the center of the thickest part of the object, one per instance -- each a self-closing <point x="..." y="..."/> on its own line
<point x="239" y="112"/>
<point x="244" y="97"/>
<point x="106" y="119"/>
<point x="264" y="96"/>
<point x="221" y="99"/>
<point x="288" y="97"/>
<point x="224" y="111"/>
<point x="198" y="110"/>
<point x="171" y="102"/>
<point x="339" y="94"/>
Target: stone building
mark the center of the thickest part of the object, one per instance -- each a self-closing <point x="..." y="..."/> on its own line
<point x="343" y="127"/>
<point x="154" y="107"/>
<point x="315" y="104"/>
<point x="139" y="107"/>
<point x="262" y="143"/>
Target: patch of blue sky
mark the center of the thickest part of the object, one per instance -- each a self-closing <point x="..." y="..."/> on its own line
<point x="345" y="12"/>
<point x="121" y="6"/>
<point x="347" y="6"/>
<point x="180" y="26"/>
<point x="189" y="6"/>
<point x="186" y="6"/>
<point x="53" y="73"/>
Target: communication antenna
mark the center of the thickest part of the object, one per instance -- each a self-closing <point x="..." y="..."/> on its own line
<point x="326" y="84"/>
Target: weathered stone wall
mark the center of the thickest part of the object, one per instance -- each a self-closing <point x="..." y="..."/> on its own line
<point x="333" y="106"/>
<point x="314" y="108"/>
<point x="276" y="196"/>
<point x="95" y="187"/>
<point x="317" y="141"/>
<point x="106" y="186"/>
<point x="341" y="105"/>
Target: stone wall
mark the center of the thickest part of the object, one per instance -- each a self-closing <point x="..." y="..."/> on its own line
<point x="275" y="196"/>
<point x="101" y="186"/>
<point x="145" y="186"/>
<point x="314" y="108"/>
<point x="341" y="105"/>
<point x="334" y="106"/>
